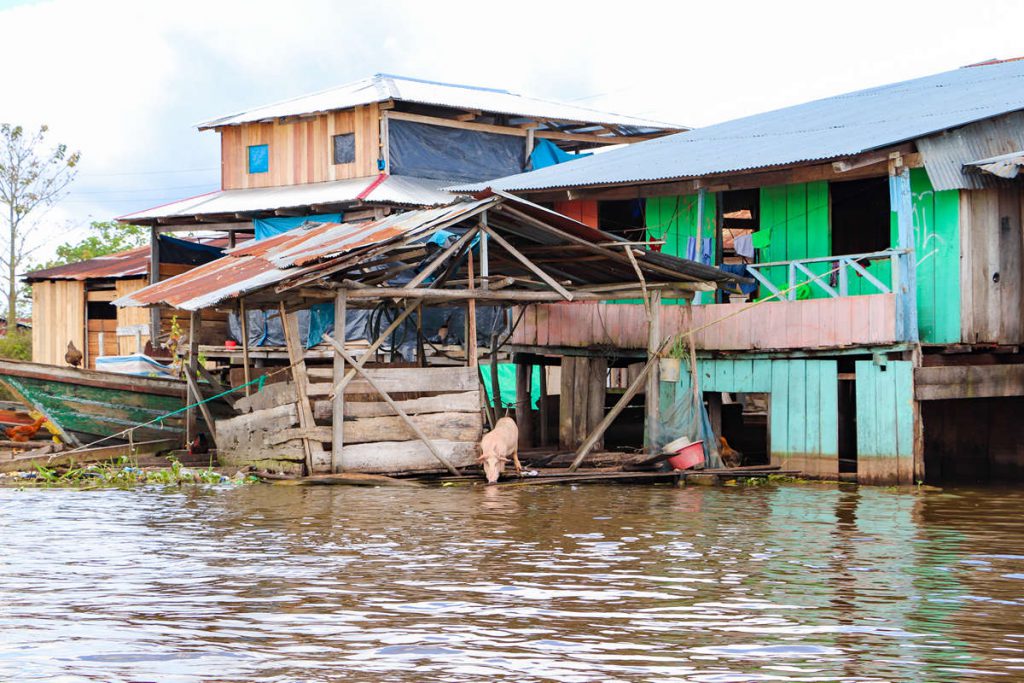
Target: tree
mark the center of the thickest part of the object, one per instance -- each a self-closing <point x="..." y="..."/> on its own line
<point x="108" y="237"/>
<point x="32" y="178"/>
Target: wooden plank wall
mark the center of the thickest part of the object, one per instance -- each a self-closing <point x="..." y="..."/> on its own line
<point x="301" y="151"/>
<point x="798" y="217"/>
<point x="980" y="440"/>
<point x="813" y="323"/>
<point x="674" y="219"/>
<point x="582" y="210"/>
<point x="991" y="268"/>
<point x="58" y="316"/>
<point x="804" y="407"/>
<point x="128" y="317"/>
<point x="937" y="243"/>
<point x="110" y="341"/>
<point x="885" y="422"/>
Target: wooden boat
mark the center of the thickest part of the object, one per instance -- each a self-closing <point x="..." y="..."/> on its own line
<point x="86" y="405"/>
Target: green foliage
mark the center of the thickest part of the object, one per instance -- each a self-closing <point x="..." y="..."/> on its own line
<point x="108" y="237"/>
<point x="124" y="473"/>
<point x="17" y="345"/>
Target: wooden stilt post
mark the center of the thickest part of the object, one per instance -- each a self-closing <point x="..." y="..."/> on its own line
<point x="524" y="408"/>
<point x="193" y="361"/>
<point x="338" y="412"/>
<point x="193" y="386"/>
<point x="316" y="460"/>
<point x="652" y="403"/>
<point x="243" y="320"/>
<point x="648" y="370"/>
<point x="471" y="358"/>
<point x="154" y="277"/>
<point x="565" y="402"/>
<point x="340" y="350"/>
<point x="545" y="437"/>
<point x="495" y="379"/>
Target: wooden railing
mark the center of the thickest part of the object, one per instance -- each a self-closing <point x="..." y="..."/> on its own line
<point x="799" y="272"/>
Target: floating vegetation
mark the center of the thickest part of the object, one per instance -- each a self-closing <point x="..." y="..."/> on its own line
<point x="124" y="473"/>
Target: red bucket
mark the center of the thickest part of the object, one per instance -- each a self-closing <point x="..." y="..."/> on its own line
<point x="687" y="453"/>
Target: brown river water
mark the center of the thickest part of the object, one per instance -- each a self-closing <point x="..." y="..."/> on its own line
<point x="588" y="583"/>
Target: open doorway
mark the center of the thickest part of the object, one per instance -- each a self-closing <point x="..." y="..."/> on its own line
<point x="738" y="221"/>
<point x="741" y="419"/>
<point x="860" y="216"/>
<point x="623" y="217"/>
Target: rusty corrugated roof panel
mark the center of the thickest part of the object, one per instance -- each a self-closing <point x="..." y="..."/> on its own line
<point x="257" y="264"/>
<point x="122" y="265"/>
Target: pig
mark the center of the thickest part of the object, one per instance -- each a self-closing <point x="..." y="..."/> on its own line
<point x="496" y="446"/>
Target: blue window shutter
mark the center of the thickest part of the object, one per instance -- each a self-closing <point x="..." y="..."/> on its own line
<point x="259" y="159"/>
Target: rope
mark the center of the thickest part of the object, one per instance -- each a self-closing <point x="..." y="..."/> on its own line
<point x="130" y="431"/>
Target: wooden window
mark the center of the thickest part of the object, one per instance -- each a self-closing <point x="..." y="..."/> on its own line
<point x="344" y="148"/>
<point x="259" y="158"/>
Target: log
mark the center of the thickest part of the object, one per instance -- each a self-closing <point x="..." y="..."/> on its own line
<point x="446" y="426"/>
<point x="347" y="479"/>
<point x="407" y="456"/>
<point x="243" y="439"/>
<point x="462" y="402"/>
<point x="272" y="395"/>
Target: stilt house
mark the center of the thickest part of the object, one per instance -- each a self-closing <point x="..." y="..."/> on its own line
<point x="882" y="341"/>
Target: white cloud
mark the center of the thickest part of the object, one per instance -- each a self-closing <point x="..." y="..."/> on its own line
<point x="124" y="81"/>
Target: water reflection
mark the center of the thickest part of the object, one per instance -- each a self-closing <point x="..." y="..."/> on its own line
<point x="805" y="583"/>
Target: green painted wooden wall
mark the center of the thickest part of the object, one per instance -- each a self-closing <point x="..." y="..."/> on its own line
<point x="798" y="218"/>
<point x="804" y="413"/>
<point x="885" y="422"/>
<point x="674" y="219"/>
<point x="937" y="247"/>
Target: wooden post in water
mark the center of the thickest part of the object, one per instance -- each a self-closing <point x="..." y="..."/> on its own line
<point x="338" y="406"/>
<point x="471" y="358"/>
<point x="192" y="362"/>
<point x="652" y="401"/>
<point x="542" y="404"/>
<point x="524" y="409"/>
<point x="243" y="320"/>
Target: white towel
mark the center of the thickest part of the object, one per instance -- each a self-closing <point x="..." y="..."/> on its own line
<point x="744" y="246"/>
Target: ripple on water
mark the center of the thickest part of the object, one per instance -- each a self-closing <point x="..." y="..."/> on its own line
<point x="705" y="585"/>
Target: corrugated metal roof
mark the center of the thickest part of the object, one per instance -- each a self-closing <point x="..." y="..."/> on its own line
<point x="398" y="190"/>
<point x="833" y="127"/>
<point x="257" y="264"/>
<point x="946" y="154"/>
<point x="1002" y="166"/>
<point x="348" y="248"/>
<point x="384" y="87"/>
<point x="122" y="265"/>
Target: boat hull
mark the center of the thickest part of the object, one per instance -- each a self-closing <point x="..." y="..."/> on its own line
<point x="86" y="406"/>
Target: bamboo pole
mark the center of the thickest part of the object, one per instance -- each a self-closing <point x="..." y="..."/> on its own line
<point x="394" y="406"/>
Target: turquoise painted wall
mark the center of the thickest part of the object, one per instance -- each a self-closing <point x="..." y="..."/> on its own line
<point x="804" y="402"/>
<point x="885" y="420"/>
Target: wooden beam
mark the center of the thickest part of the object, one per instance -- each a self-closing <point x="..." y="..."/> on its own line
<point x="551" y="282"/>
<point x="193" y="385"/>
<point x="316" y="459"/>
<point x="652" y="403"/>
<point x="588" y="138"/>
<point x="194" y="321"/>
<point x="945" y="382"/>
<point x="340" y="349"/>
<point x="339" y="387"/>
<point x="338" y="412"/>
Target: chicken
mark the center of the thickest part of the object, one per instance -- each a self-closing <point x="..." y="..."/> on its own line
<point x="198" y="445"/>
<point x="730" y="456"/>
<point x="73" y="355"/>
<point x="23" y="433"/>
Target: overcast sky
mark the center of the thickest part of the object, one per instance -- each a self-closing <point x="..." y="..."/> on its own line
<point x="124" y="81"/>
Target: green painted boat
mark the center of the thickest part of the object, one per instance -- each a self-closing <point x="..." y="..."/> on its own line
<point x="86" y="405"/>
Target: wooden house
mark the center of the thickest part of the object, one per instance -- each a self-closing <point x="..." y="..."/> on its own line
<point x="381" y="144"/>
<point x="72" y="302"/>
<point x="883" y="229"/>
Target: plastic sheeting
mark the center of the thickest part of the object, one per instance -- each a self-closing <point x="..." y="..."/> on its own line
<point x="546" y="153"/>
<point x="268" y="227"/>
<point x="507" y="382"/>
<point x="456" y="154"/>
<point x="683" y="415"/>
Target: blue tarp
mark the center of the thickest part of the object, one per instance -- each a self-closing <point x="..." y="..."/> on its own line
<point x="268" y="227"/>
<point x="546" y="153"/>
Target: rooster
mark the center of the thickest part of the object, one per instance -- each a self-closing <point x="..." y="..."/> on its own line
<point x="73" y="355"/>
<point x="199" y="445"/>
<point x="23" y="433"/>
<point x="730" y="456"/>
